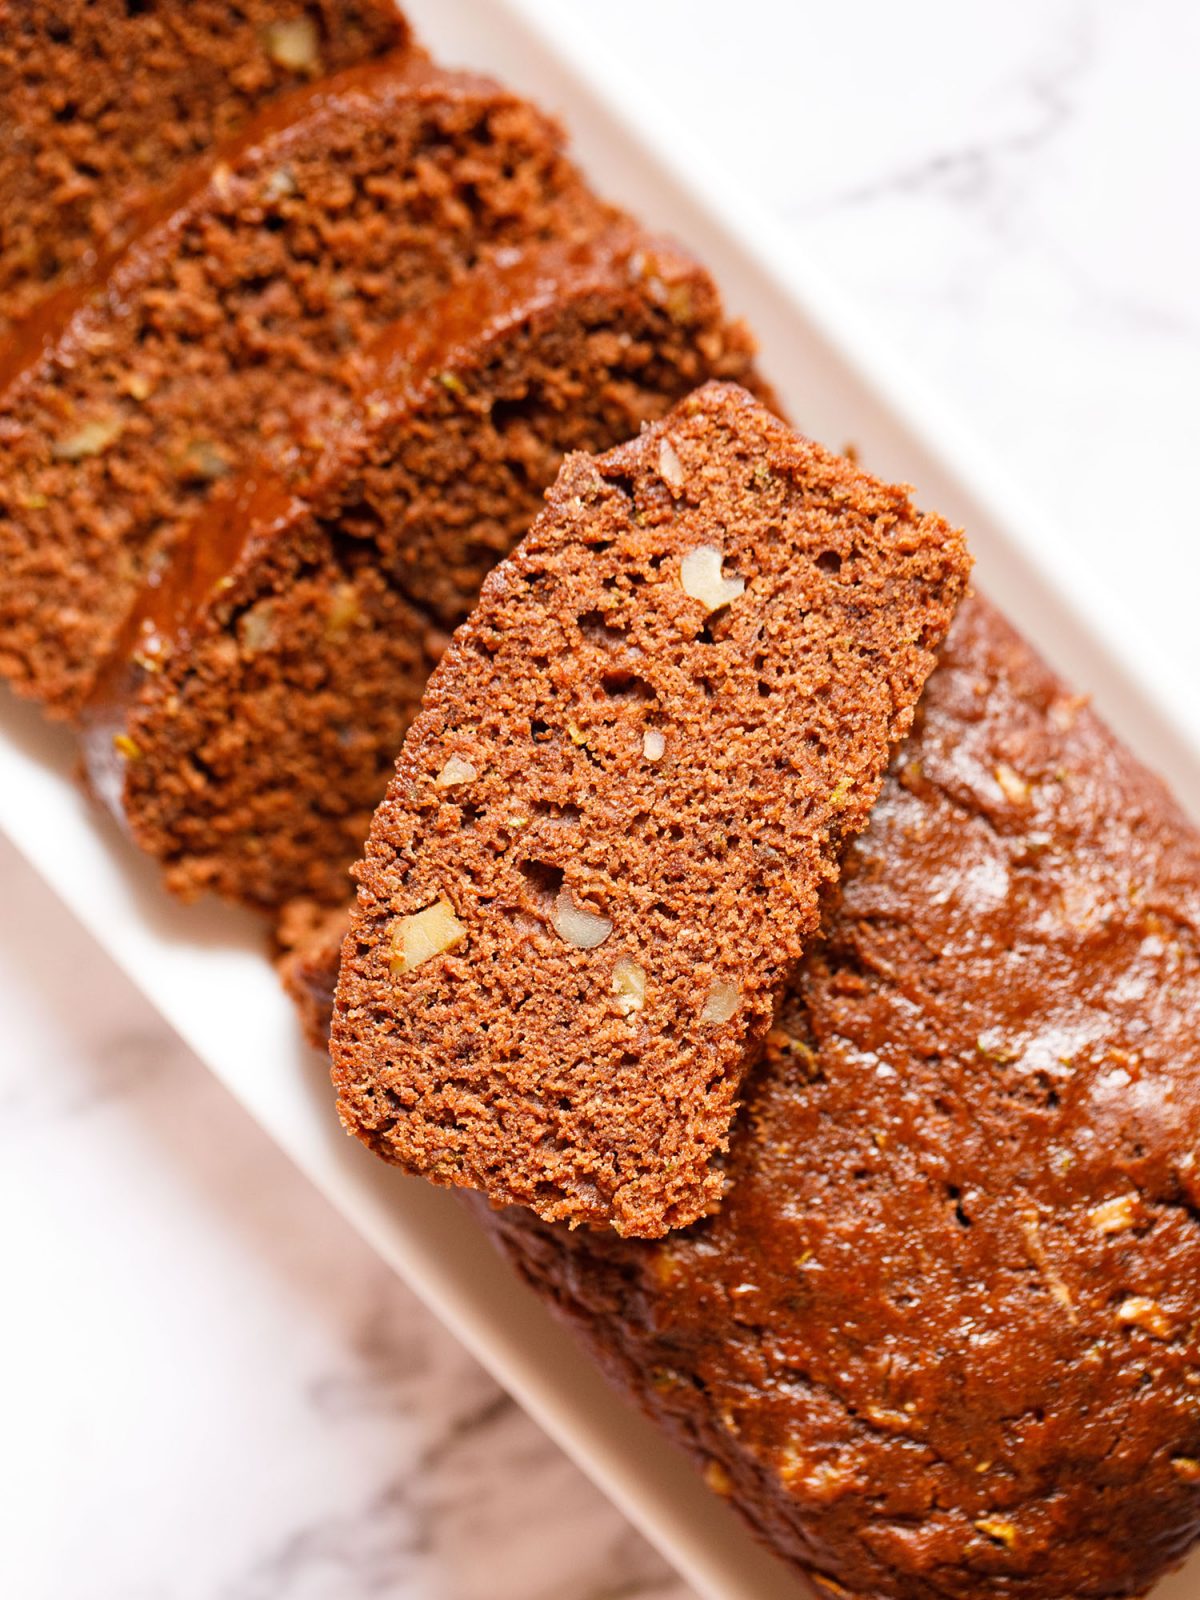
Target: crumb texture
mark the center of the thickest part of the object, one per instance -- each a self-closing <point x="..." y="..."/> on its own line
<point x="84" y="142"/>
<point x="269" y="673"/>
<point x="338" y="210"/>
<point x="940" y="1339"/>
<point x="635" y="770"/>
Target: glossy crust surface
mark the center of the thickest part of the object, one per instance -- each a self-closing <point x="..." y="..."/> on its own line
<point x="941" y="1339"/>
<point x="633" y="774"/>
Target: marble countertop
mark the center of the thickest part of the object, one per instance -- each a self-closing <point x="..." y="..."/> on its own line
<point x="209" y="1386"/>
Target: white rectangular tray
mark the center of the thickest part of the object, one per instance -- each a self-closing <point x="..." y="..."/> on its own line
<point x="204" y="970"/>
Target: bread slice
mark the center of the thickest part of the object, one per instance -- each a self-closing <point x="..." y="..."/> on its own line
<point x="104" y="101"/>
<point x="634" y="773"/>
<point x="338" y="210"/>
<point x="267" y="676"/>
<point x="940" y="1339"/>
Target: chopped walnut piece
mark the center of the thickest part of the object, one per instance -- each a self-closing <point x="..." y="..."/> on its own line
<point x="584" y="929"/>
<point x="201" y="462"/>
<point x="294" y="45"/>
<point x="1016" y="790"/>
<point x="344" y="609"/>
<point x="222" y="180"/>
<point x="629" y="986"/>
<point x="93" y="439"/>
<point x="1115" y="1216"/>
<point x="127" y="747"/>
<point x="1187" y="1468"/>
<point x="653" y="745"/>
<point x="717" y="1479"/>
<point x="721" y="1003"/>
<point x="456" y="771"/>
<point x="670" y="467"/>
<point x="701" y="577"/>
<point x="998" y="1528"/>
<point x="256" y="630"/>
<point x="138" y="386"/>
<point x="425" y="934"/>
<point x="280" y="184"/>
<point x="821" y="1481"/>
<point x="1140" y="1312"/>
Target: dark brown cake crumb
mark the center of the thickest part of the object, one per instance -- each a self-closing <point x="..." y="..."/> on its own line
<point x="103" y="101"/>
<point x="634" y="772"/>
<point x="941" y="1339"/>
<point x="336" y="211"/>
<point x="266" y="678"/>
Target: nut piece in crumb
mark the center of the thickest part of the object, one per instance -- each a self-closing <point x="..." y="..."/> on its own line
<point x="998" y="1528"/>
<point x="344" y="610"/>
<point x="670" y="467"/>
<point x="294" y="44"/>
<point x="1140" y="1312"/>
<point x="1187" y="1468"/>
<point x="280" y="185"/>
<point x="256" y="628"/>
<point x="93" y="439"/>
<point x="456" y="771"/>
<point x="584" y="929"/>
<point x="1115" y="1216"/>
<point x="1015" y="789"/>
<point x="653" y="745"/>
<point x="701" y="577"/>
<point x="629" y="986"/>
<point x="201" y="462"/>
<point x="425" y="934"/>
<point x="127" y="747"/>
<point x="717" y="1479"/>
<point x="721" y="1002"/>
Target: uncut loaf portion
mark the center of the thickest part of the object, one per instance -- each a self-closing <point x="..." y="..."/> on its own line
<point x="340" y="209"/>
<point x="635" y="769"/>
<point x="265" y="679"/>
<point x="103" y="101"/>
<point x="941" y="1338"/>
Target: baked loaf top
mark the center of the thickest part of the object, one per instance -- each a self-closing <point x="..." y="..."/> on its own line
<point x="102" y="101"/>
<point x="265" y="679"/>
<point x="635" y="767"/>
<point x="941" y="1339"/>
<point x="338" y="210"/>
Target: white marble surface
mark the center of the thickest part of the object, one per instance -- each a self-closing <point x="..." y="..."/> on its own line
<point x="208" y="1386"/>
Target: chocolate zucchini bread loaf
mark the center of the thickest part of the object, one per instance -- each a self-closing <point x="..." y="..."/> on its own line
<point x="103" y="101"/>
<point x="338" y="210"/>
<point x="251" y="718"/>
<point x="941" y="1338"/>
<point x="601" y="856"/>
